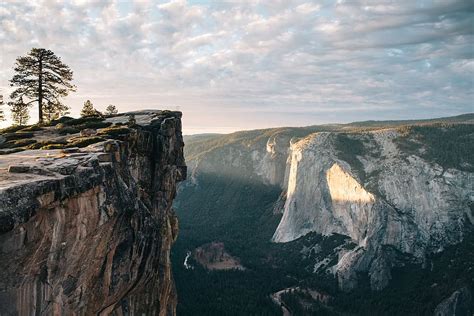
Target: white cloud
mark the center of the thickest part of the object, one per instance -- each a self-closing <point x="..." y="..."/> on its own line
<point x="273" y="57"/>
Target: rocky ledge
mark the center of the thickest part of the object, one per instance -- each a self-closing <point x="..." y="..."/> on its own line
<point x="88" y="230"/>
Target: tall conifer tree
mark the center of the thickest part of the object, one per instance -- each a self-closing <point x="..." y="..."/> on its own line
<point x="40" y="77"/>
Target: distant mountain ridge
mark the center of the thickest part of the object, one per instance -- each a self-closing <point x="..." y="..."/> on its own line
<point x="401" y="191"/>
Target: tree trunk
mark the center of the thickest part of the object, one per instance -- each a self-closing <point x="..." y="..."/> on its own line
<point x="40" y="91"/>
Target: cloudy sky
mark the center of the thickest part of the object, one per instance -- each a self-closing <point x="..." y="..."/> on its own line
<point x="231" y="65"/>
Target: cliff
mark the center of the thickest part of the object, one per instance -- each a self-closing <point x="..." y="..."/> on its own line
<point x="400" y="190"/>
<point x="389" y="201"/>
<point x="87" y="231"/>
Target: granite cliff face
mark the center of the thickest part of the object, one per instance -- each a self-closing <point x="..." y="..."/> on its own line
<point x="401" y="192"/>
<point x="404" y="204"/>
<point x="88" y="231"/>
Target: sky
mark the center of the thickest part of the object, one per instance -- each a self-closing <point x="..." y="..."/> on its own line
<point x="233" y="65"/>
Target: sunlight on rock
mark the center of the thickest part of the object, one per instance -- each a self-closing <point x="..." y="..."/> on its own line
<point x="345" y="190"/>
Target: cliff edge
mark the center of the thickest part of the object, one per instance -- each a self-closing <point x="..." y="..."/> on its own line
<point x="88" y="230"/>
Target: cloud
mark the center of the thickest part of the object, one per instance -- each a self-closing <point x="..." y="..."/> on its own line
<point x="362" y="59"/>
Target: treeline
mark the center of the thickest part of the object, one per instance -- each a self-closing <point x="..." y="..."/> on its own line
<point x="41" y="78"/>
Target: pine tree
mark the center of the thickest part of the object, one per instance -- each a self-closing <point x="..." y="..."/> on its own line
<point x="89" y="110"/>
<point x="111" y="110"/>
<point x="19" y="111"/>
<point x="41" y="76"/>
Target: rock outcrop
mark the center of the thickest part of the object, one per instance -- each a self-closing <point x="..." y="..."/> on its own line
<point x="88" y="231"/>
<point x="403" y="204"/>
<point x="398" y="194"/>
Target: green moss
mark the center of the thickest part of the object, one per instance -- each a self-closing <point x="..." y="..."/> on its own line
<point x="53" y="146"/>
<point x="84" y="141"/>
<point x="44" y="143"/>
<point x="114" y="131"/>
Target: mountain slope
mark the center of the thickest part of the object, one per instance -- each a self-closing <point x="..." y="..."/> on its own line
<point x="328" y="208"/>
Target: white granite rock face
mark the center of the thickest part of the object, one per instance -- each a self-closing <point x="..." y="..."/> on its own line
<point x="390" y="203"/>
<point x="265" y="163"/>
<point x="272" y="166"/>
<point x="413" y="206"/>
